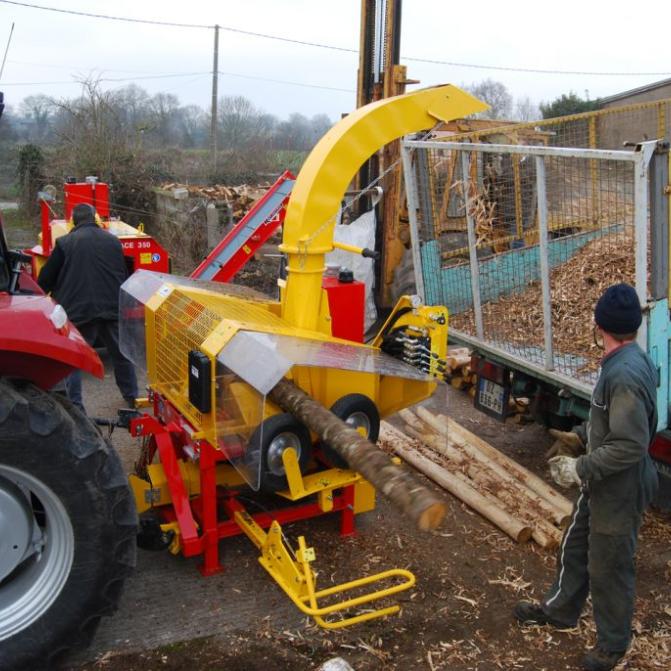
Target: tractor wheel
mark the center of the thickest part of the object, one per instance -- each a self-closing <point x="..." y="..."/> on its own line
<point x="268" y="442"/>
<point x="67" y="528"/>
<point x="359" y="412"/>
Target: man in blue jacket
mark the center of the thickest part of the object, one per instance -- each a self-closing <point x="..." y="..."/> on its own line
<point x="83" y="273"/>
<point x="617" y="482"/>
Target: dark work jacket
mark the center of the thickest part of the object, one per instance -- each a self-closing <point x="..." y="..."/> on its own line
<point x="617" y="470"/>
<point x="84" y="272"/>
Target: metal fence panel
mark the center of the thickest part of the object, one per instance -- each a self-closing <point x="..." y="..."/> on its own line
<point x="519" y="241"/>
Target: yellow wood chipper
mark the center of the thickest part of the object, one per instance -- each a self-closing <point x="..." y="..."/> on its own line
<point x="214" y="357"/>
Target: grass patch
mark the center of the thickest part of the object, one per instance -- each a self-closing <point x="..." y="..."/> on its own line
<point x="20" y="230"/>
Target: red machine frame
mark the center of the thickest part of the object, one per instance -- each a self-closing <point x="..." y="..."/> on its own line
<point x="198" y="517"/>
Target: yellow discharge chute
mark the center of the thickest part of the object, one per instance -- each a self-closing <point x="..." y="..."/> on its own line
<point x="328" y="170"/>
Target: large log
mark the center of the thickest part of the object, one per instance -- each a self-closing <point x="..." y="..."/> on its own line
<point x="474" y="451"/>
<point x="400" y="443"/>
<point x="449" y="427"/>
<point x="396" y="483"/>
<point x="531" y="480"/>
<point x="543" y="532"/>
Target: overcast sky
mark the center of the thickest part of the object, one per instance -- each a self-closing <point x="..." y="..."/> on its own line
<point x="571" y="35"/>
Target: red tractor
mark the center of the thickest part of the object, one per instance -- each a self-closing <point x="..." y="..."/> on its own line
<point x="67" y="517"/>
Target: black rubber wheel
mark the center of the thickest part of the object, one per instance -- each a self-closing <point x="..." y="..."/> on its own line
<point x="267" y="443"/>
<point x="69" y="536"/>
<point x="360" y="413"/>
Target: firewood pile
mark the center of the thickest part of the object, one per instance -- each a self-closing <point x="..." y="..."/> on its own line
<point x="240" y="198"/>
<point x="512" y="498"/>
<point x="576" y="285"/>
<point x="460" y="375"/>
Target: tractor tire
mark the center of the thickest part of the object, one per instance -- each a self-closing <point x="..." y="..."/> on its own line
<point x="359" y="412"/>
<point x="67" y="532"/>
<point x="267" y="443"/>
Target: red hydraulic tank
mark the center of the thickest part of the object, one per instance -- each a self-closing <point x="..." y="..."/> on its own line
<point x="346" y="304"/>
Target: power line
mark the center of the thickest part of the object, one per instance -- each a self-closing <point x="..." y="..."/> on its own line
<point x="285" y="81"/>
<point x="187" y="74"/>
<point x="333" y="47"/>
<point x="125" y="19"/>
<point x="110" y="79"/>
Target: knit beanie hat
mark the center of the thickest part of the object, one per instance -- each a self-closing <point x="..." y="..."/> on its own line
<point x="618" y="310"/>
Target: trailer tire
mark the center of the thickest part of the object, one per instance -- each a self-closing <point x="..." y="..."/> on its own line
<point x="360" y="413"/>
<point x="268" y="442"/>
<point x="65" y="486"/>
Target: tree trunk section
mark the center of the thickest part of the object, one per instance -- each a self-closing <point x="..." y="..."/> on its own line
<point x="394" y="482"/>
<point x="457" y="486"/>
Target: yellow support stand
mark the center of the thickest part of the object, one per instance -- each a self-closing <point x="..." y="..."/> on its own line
<point x="292" y="571"/>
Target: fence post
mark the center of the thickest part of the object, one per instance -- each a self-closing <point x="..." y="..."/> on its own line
<point x="411" y="197"/>
<point x="472" y="248"/>
<point x="544" y="263"/>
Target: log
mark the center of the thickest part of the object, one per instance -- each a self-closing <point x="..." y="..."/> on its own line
<point x="514" y="528"/>
<point x="543" y="532"/>
<point x="475" y="451"/>
<point x="399" y="486"/>
<point x="532" y="481"/>
<point x="458" y="361"/>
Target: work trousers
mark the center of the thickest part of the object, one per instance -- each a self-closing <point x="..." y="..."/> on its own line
<point x="124" y="371"/>
<point x="602" y="565"/>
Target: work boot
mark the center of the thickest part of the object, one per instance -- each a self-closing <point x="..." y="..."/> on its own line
<point x="527" y="612"/>
<point x="598" y="659"/>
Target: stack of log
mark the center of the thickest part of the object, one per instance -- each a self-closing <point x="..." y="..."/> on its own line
<point x="461" y="375"/>
<point x="515" y="500"/>
<point x="240" y="198"/>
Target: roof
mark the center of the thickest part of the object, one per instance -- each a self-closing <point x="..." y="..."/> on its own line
<point x="633" y="92"/>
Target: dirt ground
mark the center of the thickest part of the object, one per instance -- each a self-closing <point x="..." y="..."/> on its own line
<point x="469" y="576"/>
<point x="457" y="618"/>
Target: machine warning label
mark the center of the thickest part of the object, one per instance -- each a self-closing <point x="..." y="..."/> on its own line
<point x="155" y="257"/>
<point x="146" y="258"/>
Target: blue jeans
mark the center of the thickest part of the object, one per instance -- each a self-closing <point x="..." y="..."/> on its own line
<point x="124" y="371"/>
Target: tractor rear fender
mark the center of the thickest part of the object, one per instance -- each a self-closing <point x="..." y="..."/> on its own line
<point x="33" y="348"/>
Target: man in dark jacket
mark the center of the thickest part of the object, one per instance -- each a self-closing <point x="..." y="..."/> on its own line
<point x="618" y="481"/>
<point x="83" y="273"/>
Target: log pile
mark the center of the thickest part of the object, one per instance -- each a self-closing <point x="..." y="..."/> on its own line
<point x="515" y="500"/>
<point x="239" y="198"/>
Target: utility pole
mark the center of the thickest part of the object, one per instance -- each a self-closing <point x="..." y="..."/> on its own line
<point x="215" y="82"/>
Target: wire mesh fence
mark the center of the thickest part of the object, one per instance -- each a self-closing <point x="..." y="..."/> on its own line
<point x="607" y="128"/>
<point x="519" y="242"/>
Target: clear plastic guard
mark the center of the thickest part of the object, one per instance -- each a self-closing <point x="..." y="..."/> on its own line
<point x="239" y="412"/>
<point x="136" y="291"/>
<point x="262" y="359"/>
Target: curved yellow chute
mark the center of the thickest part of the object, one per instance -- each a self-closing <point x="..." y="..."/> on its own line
<point x="328" y="170"/>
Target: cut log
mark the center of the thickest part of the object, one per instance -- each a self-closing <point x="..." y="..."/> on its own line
<point x="531" y="480"/>
<point x="459" y="360"/>
<point x="399" y="486"/>
<point x="516" y="529"/>
<point x="543" y="532"/>
<point x="474" y="450"/>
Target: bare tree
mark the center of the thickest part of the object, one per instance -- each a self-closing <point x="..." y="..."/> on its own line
<point x="526" y="109"/>
<point x="496" y="95"/>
